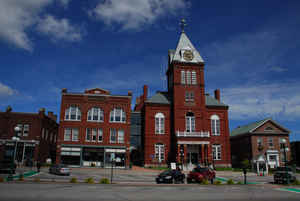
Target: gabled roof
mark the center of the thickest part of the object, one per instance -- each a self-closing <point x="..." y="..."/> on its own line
<point x="185" y="44"/>
<point x="253" y="126"/>
<point x="210" y="101"/>
<point x="159" y="97"/>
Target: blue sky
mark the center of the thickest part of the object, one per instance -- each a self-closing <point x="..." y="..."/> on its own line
<point x="251" y="51"/>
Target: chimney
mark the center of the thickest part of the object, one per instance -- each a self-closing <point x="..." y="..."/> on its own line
<point x="42" y="111"/>
<point x="64" y="90"/>
<point x="137" y="101"/>
<point x="145" y="95"/>
<point x="129" y="93"/>
<point x="52" y="116"/>
<point x="8" y="109"/>
<point x="217" y="94"/>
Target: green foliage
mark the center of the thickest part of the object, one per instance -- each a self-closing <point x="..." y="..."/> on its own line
<point x="205" y="182"/>
<point x="89" y="180"/>
<point x="246" y="163"/>
<point x="224" y="169"/>
<point x="73" y="180"/>
<point x="2" y="180"/>
<point x="296" y="182"/>
<point x="104" y="181"/>
<point x="239" y="183"/>
<point x="217" y="182"/>
<point x="230" y="182"/>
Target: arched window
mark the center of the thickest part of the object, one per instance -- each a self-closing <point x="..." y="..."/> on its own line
<point x="215" y="125"/>
<point x="159" y="152"/>
<point x="117" y="115"/>
<point x="159" y="123"/>
<point x="190" y="122"/>
<point x="95" y="114"/>
<point x="73" y="113"/>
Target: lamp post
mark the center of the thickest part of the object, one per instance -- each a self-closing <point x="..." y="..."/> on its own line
<point x="17" y="129"/>
<point x="285" y="160"/>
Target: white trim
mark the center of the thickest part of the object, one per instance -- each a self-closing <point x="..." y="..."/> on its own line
<point x="193" y="142"/>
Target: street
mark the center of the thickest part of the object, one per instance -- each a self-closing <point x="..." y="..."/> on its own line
<point x="89" y="192"/>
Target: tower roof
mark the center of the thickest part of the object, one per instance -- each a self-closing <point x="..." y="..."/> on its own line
<point x="185" y="51"/>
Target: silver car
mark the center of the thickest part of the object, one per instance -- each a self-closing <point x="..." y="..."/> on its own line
<point x="59" y="169"/>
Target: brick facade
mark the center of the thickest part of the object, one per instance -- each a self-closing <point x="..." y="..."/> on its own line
<point x="37" y="139"/>
<point x="94" y="152"/>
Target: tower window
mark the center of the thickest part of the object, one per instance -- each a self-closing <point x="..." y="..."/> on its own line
<point x="190" y="122"/>
<point x="194" y="77"/>
<point x="189" y="96"/>
<point x="182" y="77"/>
<point x="188" y="77"/>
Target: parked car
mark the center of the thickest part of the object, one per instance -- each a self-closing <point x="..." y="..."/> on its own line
<point x="8" y="167"/>
<point x="284" y="175"/>
<point x="170" y="176"/>
<point x="59" y="169"/>
<point x="199" y="174"/>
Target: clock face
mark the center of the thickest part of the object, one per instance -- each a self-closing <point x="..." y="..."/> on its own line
<point x="188" y="55"/>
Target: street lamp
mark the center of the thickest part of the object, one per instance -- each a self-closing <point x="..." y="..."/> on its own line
<point x="15" y="138"/>
<point x="285" y="160"/>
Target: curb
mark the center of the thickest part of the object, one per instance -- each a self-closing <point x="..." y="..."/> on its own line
<point x="26" y="174"/>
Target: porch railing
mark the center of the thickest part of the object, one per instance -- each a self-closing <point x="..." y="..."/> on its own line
<point x="192" y="134"/>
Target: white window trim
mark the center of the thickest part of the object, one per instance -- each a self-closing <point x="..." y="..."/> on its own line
<point x="161" y="152"/>
<point x="188" y="77"/>
<point x="215" y="120"/>
<point x="72" y="131"/>
<point x="190" y="122"/>
<point x="182" y="77"/>
<point x="70" y="138"/>
<point x="99" y="115"/>
<point x="78" y="111"/>
<point x="114" y="116"/>
<point x="160" y="125"/>
<point x="218" y="149"/>
<point x="100" y="133"/>
<point x="194" y="78"/>
<point x="116" y="137"/>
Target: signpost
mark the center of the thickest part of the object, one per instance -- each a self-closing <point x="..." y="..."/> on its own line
<point x="112" y="159"/>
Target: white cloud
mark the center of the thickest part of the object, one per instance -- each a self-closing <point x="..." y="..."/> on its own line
<point x="59" y="29"/>
<point x="278" y="69"/>
<point x="132" y="14"/>
<point x="15" y="17"/>
<point x="6" y="91"/>
<point x="279" y="100"/>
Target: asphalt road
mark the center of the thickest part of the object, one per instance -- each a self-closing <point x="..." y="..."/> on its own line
<point x="91" y="192"/>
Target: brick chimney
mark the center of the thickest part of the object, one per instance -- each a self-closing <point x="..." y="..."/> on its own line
<point x="64" y="90"/>
<point x="217" y="94"/>
<point x="145" y="94"/>
<point x="52" y="116"/>
<point x="42" y="112"/>
<point x="129" y="93"/>
<point x="8" y="109"/>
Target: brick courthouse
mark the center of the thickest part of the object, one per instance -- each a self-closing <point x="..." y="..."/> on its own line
<point x="184" y="124"/>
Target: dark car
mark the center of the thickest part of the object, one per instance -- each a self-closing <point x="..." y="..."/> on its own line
<point x="59" y="169"/>
<point x="199" y="174"/>
<point x="284" y="175"/>
<point x="170" y="176"/>
<point x="7" y="167"/>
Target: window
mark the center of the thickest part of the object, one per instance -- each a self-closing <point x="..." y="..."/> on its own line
<point x="73" y="113"/>
<point x="159" y="123"/>
<point x="113" y="135"/>
<point x="92" y="133"/>
<point x="259" y="142"/>
<point x="75" y="134"/>
<point x="120" y="136"/>
<point x="188" y="77"/>
<point x="273" y="158"/>
<point x="189" y="96"/>
<point x="160" y="152"/>
<point x="67" y="134"/>
<point x="190" y="122"/>
<point x="24" y="130"/>
<point x="182" y="77"/>
<point x="117" y="115"/>
<point x="95" y="114"/>
<point x="269" y="129"/>
<point x="215" y="125"/>
<point x="194" y="78"/>
<point x="270" y="142"/>
<point x="100" y="135"/>
<point x="216" y="151"/>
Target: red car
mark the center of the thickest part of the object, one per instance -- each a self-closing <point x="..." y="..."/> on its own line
<point x="199" y="174"/>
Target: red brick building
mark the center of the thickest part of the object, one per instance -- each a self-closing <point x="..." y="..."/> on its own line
<point x="262" y="143"/>
<point x="94" y="128"/>
<point x="36" y="138"/>
<point x="184" y="124"/>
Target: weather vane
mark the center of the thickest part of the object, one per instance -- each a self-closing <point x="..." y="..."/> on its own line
<point x="182" y="24"/>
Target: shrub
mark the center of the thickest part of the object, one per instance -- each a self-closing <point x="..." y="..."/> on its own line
<point x="37" y="179"/>
<point x="296" y="182"/>
<point x="230" y="182"/>
<point x="217" y="182"/>
<point x="205" y="182"/>
<point x="239" y="183"/>
<point x="73" y="180"/>
<point x="90" y="180"/>
<point x="104" y="181"/>
<point x="2" y="179"/>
